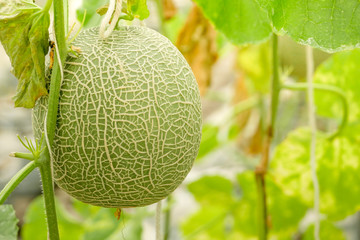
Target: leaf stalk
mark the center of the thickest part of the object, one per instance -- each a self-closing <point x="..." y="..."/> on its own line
<point x="15" y="180"/>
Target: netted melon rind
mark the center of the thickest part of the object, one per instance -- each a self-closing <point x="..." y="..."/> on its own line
<point x="129" y="123"/>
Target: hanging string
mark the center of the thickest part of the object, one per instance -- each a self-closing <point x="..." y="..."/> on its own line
<point x="312" y="124"/>
<point x="158" y="221"/>
<point x="113" y="13"/>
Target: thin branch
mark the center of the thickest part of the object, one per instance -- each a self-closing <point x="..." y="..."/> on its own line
<point x="261" y="169"/>
<point x="15" y="180"/>
<point x="158" y="221"/>
<point x="167" y="218"/>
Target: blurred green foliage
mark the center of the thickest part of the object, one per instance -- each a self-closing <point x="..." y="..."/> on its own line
<point x="338" y="167"/>
<point x="341" y="70"/>
<point x="83" y="221"/>
<point x="8" y="223"/>
<point x="226" y="214"/>
<point x="255" y="62"/>
<point x="327" y="231"/>
<point x="228" y="207"/>
<point x="92" y="19"/>
<point x="209" y="140"/>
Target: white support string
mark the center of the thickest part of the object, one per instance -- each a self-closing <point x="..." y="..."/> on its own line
<point x="312" y="124"/>
<point x="113" y="13"/>
<point x="158" y="221"/>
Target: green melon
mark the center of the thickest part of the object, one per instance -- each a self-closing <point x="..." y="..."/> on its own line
<point x="129" y="121"/>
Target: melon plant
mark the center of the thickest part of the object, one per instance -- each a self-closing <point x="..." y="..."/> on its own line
<point x="129" y="120"/>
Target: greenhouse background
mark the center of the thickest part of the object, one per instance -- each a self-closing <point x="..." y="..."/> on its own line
<point x="219" y="198"/>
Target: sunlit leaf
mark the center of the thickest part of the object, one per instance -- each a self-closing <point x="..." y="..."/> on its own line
<point x="138" y="9"/>
<point x="230" y="211"/>
<point x="285" y="211"/>
<point x="206" y="224"/>
<point x="241" y="21"/>
<point x="338" y="167"/>
<point x="255" y="62"/>
<point x="24" y="35"/>
<point x="327" y="24"/>
<point x="8" y="223"/>
<point x="327" y="231"/>
<point x="341" y="70"/>
<point x="212" y="189"/>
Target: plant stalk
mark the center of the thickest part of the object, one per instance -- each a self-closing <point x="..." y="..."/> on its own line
<point x="158" y="221"/>
<point x="167" y="218"/>
<point x="47" y="6"/>
<point x="261" y="169"/>
<point x="15" y="180"/>
<point x="262" y="208"/>
<point x="28" y="156"/>
<point x="56" y="73"/>
<point x="44" y="160"/>
<point x="49" y="198"/>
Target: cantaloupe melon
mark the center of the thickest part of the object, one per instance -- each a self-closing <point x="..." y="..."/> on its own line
<point x="129" y="121"/>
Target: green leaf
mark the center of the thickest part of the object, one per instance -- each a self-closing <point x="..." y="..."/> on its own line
<point x="100" y="225"/>
<point x="24" y="35"/>
<point x="241" y="21"/>
<point x="216" y="197"/>
<point x="92" y="19"/>
<point x="338" y="167"/>
<point x="341" y="70"/>
<point x="84" y="221"/>
<point x="209" y="140"/>
<point x="102" y="10"/>
<point x="8" y="223"/>
<point x="212" y="189"/>
<point x="138" y="9"/>
<point x="327" y="231"/>
<point x="206" y="224"/>
<point x="255" y="62"/>
<point x="96" y="8"/>
<point x="245" y="215"/>
<point x="34" y="227"/>
<point x="329" y="25"/>
<point x="229" y="211"/>
<point x="285" y="211"/>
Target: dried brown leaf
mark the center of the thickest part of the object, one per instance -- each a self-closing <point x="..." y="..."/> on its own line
<point x="169" y="9"/>
<point x="197" y="42"/>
